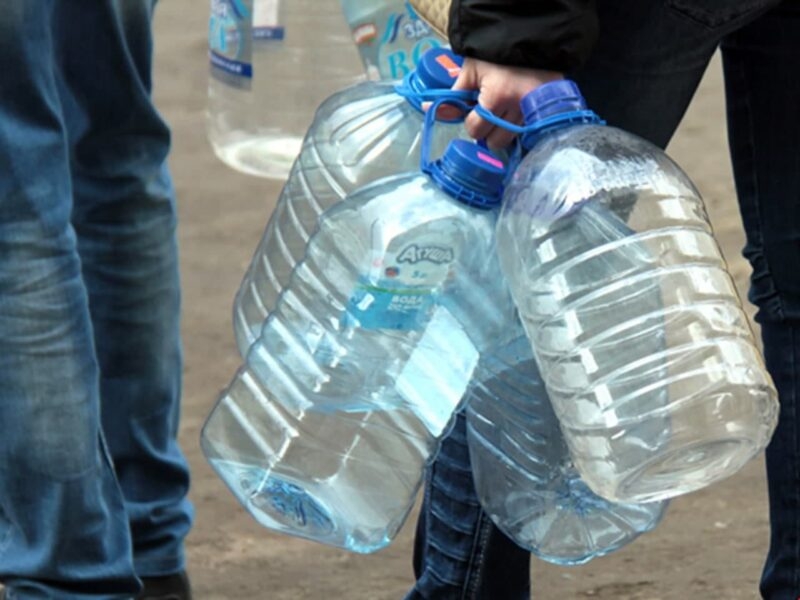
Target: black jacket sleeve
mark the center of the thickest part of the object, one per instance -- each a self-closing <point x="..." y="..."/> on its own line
<point x="546" y="34"/>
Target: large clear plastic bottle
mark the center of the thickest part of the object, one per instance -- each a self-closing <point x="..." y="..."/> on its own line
<point x="326" y="430"/>
<point x="359" y="135"/>
<point x="524" y="476"/>
<point x="389" y="35"/>
<point x="272" y="63"/>
<point x="706" y="389"/>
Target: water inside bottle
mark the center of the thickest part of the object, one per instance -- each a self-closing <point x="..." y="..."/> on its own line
<point x="631" y="396"/>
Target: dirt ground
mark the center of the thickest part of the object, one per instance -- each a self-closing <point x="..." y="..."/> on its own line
<point x="711" y="543"/>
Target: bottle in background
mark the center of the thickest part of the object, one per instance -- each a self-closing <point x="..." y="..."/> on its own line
<point x="389" y="35"/>
<point x="359" y="135"/>
<point x="642" y="422"/>
<point x="326" y="431"/>
<point x="272" y="63"/>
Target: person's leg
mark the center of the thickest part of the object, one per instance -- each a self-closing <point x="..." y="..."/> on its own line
<point x="763" y="99"/>
<point x="125" y="219"/>
<point x="458" y="552"/>
<point x="63" y="529"/>
<point x="646" y="67"/>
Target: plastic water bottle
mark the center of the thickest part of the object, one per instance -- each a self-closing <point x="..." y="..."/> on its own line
<point x="706" y="389"/>
<point x="272" y="63"/>
<point x="524" y="476"/>
<point x="359" y="135"/>
<point x="389" y="35"/>
<point x="326" y="430"/>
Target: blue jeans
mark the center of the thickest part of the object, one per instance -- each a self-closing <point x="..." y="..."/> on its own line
<point x="92" y="483"/>
<point x="641" y="77"/>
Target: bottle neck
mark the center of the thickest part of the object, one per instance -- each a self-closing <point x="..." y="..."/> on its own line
<point x="473" y="189"/>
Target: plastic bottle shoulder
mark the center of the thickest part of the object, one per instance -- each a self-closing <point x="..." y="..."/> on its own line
<point x="572" y="165"/>
<point x="410" y="193"/>
<point x="358" y="92"/>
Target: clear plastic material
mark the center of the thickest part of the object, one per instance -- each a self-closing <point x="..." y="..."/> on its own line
<point x="389" y="35"/>
<point x="272" y="63"/>
<point x="523" y="473"/>
<point x="326" y="430"/>
<point x="359" y="135"/>
<point x="642" y="422"/>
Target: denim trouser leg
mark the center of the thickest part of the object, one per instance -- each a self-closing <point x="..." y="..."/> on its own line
<point x="641" y="77"/>
<point x="762" y="79"/>
<point x="458" y="552"/>
<point x="64" y="529"/>
<point x="125" y="218"/>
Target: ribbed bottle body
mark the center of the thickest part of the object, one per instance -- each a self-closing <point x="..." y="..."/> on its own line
<point x="523" y="472"/>
<point x="326" y="430"/>
<point x="648" y="357"/>
<point x="359" y="136"/>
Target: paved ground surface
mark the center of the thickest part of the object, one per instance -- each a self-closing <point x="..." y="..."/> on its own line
<point x="710" y="545"/>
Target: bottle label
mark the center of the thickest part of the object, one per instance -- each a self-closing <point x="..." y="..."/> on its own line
<point x="230" y="41"/>
<point x="234" y="26"/>
<point x="391" y="39"/>
<point x="402" y="287"/>
<point x="266" y="23"/>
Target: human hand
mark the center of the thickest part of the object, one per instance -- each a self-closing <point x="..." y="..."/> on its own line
<point x="500" y="89"/>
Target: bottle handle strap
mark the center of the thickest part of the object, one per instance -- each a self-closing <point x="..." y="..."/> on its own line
<point x="408" y="91"/>
<point x="466" y="101"/>
<point x="430" y="122"/>
<point x="514" y="155"/>
<point x="488" y="115"/>
<point x="575" y="116"/>
<point x="515" y="151"/>
<point x="525" y="135"/>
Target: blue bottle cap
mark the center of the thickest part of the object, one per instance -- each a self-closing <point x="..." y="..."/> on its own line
<point x="470" y="173"/>
<point x="553" y="104"/>
<point x="438" y="68"/>
<point x="550" y="99"/>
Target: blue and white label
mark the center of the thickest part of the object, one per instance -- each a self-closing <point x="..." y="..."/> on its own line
<point x="266" y="21"/>
<point x="377" y="307"/>
<point x="402" y="287"/>
<point x="229" y="39"/>
<point x="234" y="27"/>
<point x="391" y="39"/>
<point x="234" y="67"/>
